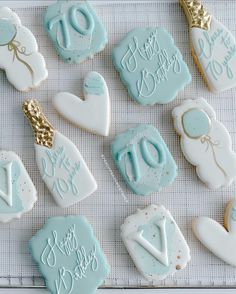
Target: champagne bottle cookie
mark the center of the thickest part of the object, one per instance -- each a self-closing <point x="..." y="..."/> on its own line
<point x="25" y="67"/>
<point x="17" y="191"/>
<point x="213" y="47"/>
<point x="60" y="163"/>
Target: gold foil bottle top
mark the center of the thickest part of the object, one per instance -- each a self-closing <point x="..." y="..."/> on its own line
<point x="197" y="16"/>
<point x="43" y="130"/>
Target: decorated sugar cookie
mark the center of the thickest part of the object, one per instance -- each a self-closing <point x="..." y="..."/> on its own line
<point x="151" y="66"/>
<point x="220" y="240"/>
<point x="143" y="159"/>
<point x="69" y="256"/>
<point x="213" y="47"/>
<point x="93" y="114"/>
<point x="206" y="143"/>
<point x="75" y="30"/>
<point x="24" y="66"/>
<point x="60" y="163"/>
<point x="17" y="192"/>
<point x="155" y="243"/>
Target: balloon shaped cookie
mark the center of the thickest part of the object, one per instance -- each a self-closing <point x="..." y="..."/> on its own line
<point x="206" y="143"/>
<point x="75" y="30"/>
<point x="25" y="67"/>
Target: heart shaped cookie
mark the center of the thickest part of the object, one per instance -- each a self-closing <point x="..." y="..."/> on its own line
<point x="221" y="240"/>
<point x="91" y="114"/>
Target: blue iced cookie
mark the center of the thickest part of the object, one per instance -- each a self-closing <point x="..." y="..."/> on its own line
<point x="151" y="66"/>
<point x="75" y="30"/>
<point x="69" y="256"/>
<point x="143" y="159"/>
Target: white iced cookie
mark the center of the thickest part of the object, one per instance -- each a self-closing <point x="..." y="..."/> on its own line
<point x="25" y="67"/>
<point x="91" y="114"/>
<point x="60" y="163"/>
<point x="218" y="239"/>
<point x="17" y="192"/>
<point x="213" y="47"/>
<point x="155" y="243"/>
<point x="205" y="143"/>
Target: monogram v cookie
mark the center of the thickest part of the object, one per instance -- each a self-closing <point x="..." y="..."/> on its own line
<point x="75" y="30"/>
<point x="143" y="159"/>
<point x="69" y="256"/>
<point x="151" y="66"/>
<point x="17" y="192"/>
<point x="220" y="240"/>
<point x="93" y="113"/>
<point x="205" y="143"/>
<point x="213" y="47"/>
<point x="25" y="67"/>
<point x="60" y="163"/>
<point x="155" y="243"/>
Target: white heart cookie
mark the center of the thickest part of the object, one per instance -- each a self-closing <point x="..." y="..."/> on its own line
<point x="218" y="239"/>
<point x="91" y="114"/>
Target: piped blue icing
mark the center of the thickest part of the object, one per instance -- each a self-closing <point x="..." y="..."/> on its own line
<point x="69" y="256"/>
<point x="75" y="30"/>
<point x="16" y="201"/>
<point x="94" y="84"/>
<point x="233" y="213"/>
<point x="151" y="66"/>
<point x="149" y="264"/>
<point x="196" y="123"/>
<point x="143" y="159"/>
<point x="7" y="32"/>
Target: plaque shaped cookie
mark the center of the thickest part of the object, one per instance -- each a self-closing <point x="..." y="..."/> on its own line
<point x="17" y="192"/>
<point x="69" y="256"/>
<point x="213" y="47"/>
<point x="93" y="113"/>
<point x="25" y="67"/>
<point x="143" y="159"/>
<point x="220" y="240"/>
<point x="205" y="143"/>
<point x="155" y="243"/>
<point x="75" y="30"/>
<point x="60" y="163"/>
<point x="151" y="66"/>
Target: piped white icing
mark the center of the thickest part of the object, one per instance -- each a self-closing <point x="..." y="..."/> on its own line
<point x="218" y="239"/>
<point x="93" y="113"/>
<point x="210" y="147"/>
<point x="25" y="67"/>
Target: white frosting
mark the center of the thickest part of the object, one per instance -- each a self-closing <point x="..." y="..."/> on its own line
<point x="23" y="77"/>
<point x="221" y="241"/>
<point x="25" y="188"/>
<point x="215" y="50"/>
<point x="92" y="114"/>
<point x="173" y="254"/>
<point x="211" y="154"/>
<point x="64" y="171"/>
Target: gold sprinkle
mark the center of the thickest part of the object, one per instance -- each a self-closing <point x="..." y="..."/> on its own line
<point x="178" y="267"/>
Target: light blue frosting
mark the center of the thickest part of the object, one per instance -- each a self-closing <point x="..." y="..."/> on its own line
<point x="151" y="66"/>
<point x="7" y="31"/>
<point x="143" y="159"/>
<point x="233" y="213"/>
<point x="94" y="84"/>
<point x="75" y="30"/>
<point x="69" y="255"/>
<point x="16" y="201"/>
<point x="149" y="264"/>
<point x="196" y="123"/>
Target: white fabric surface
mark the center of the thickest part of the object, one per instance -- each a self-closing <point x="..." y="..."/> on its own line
<point x="107" y="208"/>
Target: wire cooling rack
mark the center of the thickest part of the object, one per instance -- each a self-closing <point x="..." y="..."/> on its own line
<point x="107" y="208"/>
